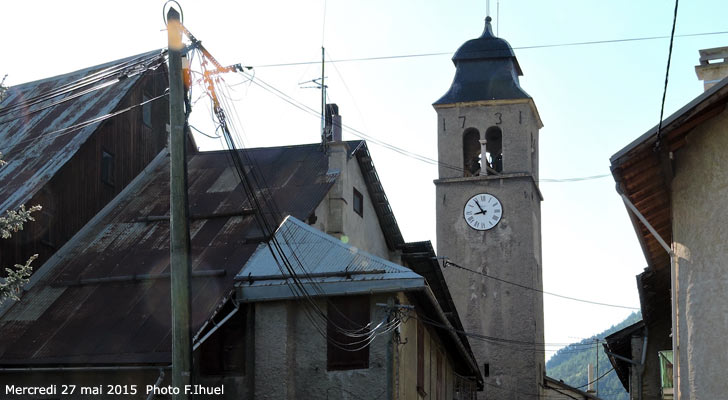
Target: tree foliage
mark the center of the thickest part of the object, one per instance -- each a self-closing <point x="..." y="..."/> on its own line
<point x="571" y="362"/>
<point x="16" y="277"/>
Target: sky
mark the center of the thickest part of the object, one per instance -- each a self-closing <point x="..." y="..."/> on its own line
<point x="593" y="99"/>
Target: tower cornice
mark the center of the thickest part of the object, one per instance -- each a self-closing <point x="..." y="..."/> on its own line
<point x="481" y="178"/>
<point x="491" y="103"/>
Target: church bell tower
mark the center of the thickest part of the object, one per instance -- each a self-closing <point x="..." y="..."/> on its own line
<point x="489" y="214"/>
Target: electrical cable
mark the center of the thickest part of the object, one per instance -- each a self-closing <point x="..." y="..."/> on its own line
<point x="542" y="46"/>
<point x="658" y="140"/>
<point x="448" y="262"/>
<point x="295" y="103"/>
<point x="249" y="184"/>
<point x="70" y="129"/>
<point x="110" y="75"/>
<point x="595" y="380"/>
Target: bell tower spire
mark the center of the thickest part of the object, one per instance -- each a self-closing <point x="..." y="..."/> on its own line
<point x="488" y="208"/>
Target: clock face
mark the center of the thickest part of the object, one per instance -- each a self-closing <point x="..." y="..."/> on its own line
<point x="483" y="211"/>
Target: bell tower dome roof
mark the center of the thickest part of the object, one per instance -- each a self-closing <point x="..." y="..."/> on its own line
<point x="486" y="69"/>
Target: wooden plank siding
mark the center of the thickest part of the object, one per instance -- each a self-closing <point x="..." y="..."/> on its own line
<point x="76" y="193"/>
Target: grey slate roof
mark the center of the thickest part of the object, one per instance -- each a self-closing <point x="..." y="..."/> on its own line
<point x="35" y="118"/>
<point x="486" y="69"/>
<point x="325" y="266"/>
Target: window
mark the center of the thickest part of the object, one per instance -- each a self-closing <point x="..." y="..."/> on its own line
<point x="494" y="149"/>
<point x="348" y="317"/>
<point x="358" y="203"/>
<point x="107" y="168"/>
<point x="471" y="152"/>
<point x="223" y="353"/>
<point x="421" y="359"/>
<point x="147" y="110"/>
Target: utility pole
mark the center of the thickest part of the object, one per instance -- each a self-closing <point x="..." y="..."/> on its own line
<point x="178" y="211"/>
<point x="392" y="344"/>
<point x="596" y="384"/>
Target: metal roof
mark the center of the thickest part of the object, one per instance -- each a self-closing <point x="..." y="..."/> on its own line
<point x="324" y="265"/>
<point x="104" y="297"/>
<point x="44" y="123"/>
<point x="620" y="343"/>
<point x="486" y="69"/>
<point x="387" y="221"/>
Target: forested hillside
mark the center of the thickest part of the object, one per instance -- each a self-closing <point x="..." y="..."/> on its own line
<point x="570" y="363"/>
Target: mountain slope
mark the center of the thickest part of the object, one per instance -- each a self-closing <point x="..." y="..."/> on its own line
<point x="571" y="362"/>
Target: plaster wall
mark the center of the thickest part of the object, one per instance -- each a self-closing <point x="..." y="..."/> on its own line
<point x="510" y="251"/>
<point x="335" y="215"/>
<point x="290" y="356"/>
<point x="700" y="241"/>
<point x="406" y="363"/>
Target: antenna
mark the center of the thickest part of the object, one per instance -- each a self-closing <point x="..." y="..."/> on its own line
<point x="487" y="8"/>
<point x="319" y="83"/>
<point x="497" y="18"/>
<point x="323" y="99"/>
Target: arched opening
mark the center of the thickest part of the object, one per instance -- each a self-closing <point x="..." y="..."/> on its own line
<point x="471" y="152"/>
<point x="494" y="149"/>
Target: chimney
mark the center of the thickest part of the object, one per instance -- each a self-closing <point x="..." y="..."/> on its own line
<point x="590" y="378"/>
<point x="333" y="123"/>
<point x="713" y="66"/>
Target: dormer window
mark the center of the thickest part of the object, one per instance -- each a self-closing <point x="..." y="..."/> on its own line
<point x="471" y="152"/>
<point x="494" y="149"/>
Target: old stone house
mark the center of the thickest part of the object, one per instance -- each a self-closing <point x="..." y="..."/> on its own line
<point x="674" y="187"/>
<point x="97" y="309"/>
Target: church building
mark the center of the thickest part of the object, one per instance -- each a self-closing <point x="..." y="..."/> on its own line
<point x="489" y="217"/>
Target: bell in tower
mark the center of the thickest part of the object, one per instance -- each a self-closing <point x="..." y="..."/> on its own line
<point x="486" y="75"/>
<point x="488" y="208"/>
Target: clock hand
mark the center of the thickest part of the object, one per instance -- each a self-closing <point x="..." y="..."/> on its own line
<point x="481" y="208"/>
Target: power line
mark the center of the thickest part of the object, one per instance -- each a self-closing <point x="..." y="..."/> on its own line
<point x="596" y="380"/>
<point x="667" y="76"/>
<point x="70" y="129"/>
<point x="448" y="262"/>
<point x="542" y="46"/>
<point x="303" y="107"/>
<point x="527" y="345"/>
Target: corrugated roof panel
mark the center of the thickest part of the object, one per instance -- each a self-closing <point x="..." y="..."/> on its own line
<point x="31" y="310"/>
<point x="124" y="319"/>
<point x="324" y="264"/>
<point x="34" y="134"/>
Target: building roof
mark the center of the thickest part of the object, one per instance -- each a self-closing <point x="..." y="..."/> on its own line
<point x="387" y="221"/>
<point x="323" y="265"/>
<point x="620" y="343"/>
<point x="486" y="69"/>
<point x="643" y="172"/>
<point x="566" y="390"/>
<point x="421" y="257"/>
<point x="104" y="297"/>
<point x="43" y="123"/>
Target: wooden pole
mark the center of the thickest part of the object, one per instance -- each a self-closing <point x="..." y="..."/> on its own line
<point x="179" y="222"/>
